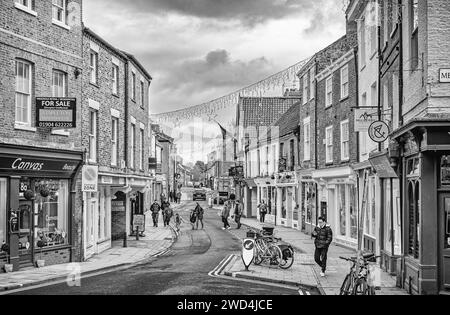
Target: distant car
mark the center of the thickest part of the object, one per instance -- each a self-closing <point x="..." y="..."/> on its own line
<point x="199" y="195"/>
<point x="197" y="186"/>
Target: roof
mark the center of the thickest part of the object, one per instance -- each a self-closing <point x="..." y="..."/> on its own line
<point x="290" y="120"/>
<point x="257" y="111"/>
<point x="138" y="64"/>
<point x="91" y="33"/>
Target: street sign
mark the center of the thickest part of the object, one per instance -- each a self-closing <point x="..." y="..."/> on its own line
<point x="248" y="252"/>
<point x="54" y="112"/>
<point x="379" y="131"/>
<point x="89" y="180"/>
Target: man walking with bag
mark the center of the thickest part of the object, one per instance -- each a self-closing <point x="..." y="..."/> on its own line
<point x="155" y="208"/>
<point x="238" y="214"/>
<point x="323" y="237"/>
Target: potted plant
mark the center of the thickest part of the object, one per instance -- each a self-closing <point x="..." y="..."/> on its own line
<point x="40" y="262"/>
<point x="8" y="267"/>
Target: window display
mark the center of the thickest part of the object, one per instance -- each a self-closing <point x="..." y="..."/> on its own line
<point x="3" y="224"/>
<point x="51" y="207"/>
<point x="342" y="210"/>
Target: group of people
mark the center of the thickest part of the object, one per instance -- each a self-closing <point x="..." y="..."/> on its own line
<point x="175" y="196"/>
<point x="166" y="210"/>
<point x="196" y="216"/>
<point x="232" y="208"/>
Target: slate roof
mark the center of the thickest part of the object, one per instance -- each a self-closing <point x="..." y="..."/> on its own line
<point x="290" y="120"/>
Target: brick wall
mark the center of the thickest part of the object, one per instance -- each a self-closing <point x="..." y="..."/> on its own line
<point x="334" y="115"/>
<point x="53" y="257"/>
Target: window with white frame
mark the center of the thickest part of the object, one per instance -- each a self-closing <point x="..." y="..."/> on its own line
<point x="374" y="95"/>
<point x="133" y="86"/>
<point x="115" y="79"/>
<point x="362" y="39"/>
<point x="312" y="80"/>
<point x="114" y="138"/>
<point x="26" y="5"/>
<point x="305" y="88"/>
<point x="307" y="141"/>
<point x="414" y="22"/>
<point x="142" y="94"/>
<point x="141" y="149"/>
<point x="344" y="82"/>
<point x="59" y="84"/>
<point x="329" y="91"/>
<point x="132" y="144"/>
<point x="92" y="136"/>
<point x="59" y="11"/>
<point x="373" y="30"/>
<point x="345" y="141"/>
<point x="93" y="66"/>
<point x="329" y="144"/>
<point x="23" y="92"/>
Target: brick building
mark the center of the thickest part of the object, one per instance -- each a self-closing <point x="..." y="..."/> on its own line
<point x="40" y="56"/>
<point x="164" y="147"/>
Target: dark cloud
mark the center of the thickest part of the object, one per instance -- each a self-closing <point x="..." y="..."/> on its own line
<point x="248" y="12"/>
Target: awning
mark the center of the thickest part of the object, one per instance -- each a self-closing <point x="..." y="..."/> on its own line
<point x="383" y="167"/>
<point x="250" y="183"/>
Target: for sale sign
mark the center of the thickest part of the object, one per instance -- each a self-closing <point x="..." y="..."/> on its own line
<point x="55" y="112"/>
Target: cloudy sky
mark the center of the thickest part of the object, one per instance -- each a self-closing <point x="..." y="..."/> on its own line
<point x="199" y="50"/>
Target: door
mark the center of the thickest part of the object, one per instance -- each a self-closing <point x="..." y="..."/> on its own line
<point x="445" y="241"/>
<point x="25" y="215"/>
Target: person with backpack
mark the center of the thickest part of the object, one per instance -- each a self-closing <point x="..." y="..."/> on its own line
<point x="193" y="217"/>
<point x="262" y="211"/>
<point x="238" y="214"/>
<point x="155" y="208"/>
<point x="199" y="210"/>
<point x="323" y="237"/>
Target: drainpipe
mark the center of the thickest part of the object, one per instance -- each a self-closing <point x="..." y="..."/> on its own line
<point x="379" y="80"/>
<point x="400" y="77"/>
<point x="355" y="52"/>
<point x="126" y="94"/>
<point x="316" y="145"/>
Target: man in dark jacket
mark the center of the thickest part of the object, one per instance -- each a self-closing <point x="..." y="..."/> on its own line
<point x="155" y="208"/>
<point x="323" y="237"/>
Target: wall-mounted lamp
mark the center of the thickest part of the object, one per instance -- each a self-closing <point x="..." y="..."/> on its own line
<point x="77" y="73"/>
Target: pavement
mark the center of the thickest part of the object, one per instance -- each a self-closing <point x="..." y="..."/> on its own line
<point x="304" y="272"/>
<point x="155" y="242"/>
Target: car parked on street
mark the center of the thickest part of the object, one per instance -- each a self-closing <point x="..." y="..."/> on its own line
<point x="199" y="194"/>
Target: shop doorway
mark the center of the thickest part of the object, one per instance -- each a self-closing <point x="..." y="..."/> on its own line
<point x="26" y="231"/>
<point x="444" y="209"/>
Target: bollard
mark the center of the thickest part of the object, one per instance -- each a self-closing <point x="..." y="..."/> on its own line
<point x="137" y="233"/>
<point x="125" y="239"/>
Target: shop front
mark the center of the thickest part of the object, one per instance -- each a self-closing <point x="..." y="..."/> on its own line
<point x="250" y="199"/>
<point x="37" y="204"/>
<point x="425" y="162"/>
<point x="287" y="190"/>
<point x="307" y="201"/>
<point x="267" y="192"/>
<point x="337" y="203"/>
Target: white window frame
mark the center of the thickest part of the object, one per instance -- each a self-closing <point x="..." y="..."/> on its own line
<point x="55" y="20"/>
<point x="23" y="92"/>
<point x="28" y="8"/>
<point x="132" y="145"/>
<point x="305" y="89"/>
<point x="133" y="86"/>
<point x="114" y="141"/>
<point x="142" y="94"/>
<point x="55" y="88"/>
<point x="93" y="135"/>
<point x="362" y="40"/>
<point x="307" y="139"/>
<point x="345" y="141"/>
<point x="329" y="91"/>
<point x="115" y="79"/>
<point x="312" y="86"/>
<point x="345" y="82"/>
<point x="329" y="145"/>
<point x="93" y="66"/>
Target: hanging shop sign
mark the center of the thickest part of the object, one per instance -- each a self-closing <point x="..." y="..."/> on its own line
<point x="379" y="131"/>
<point x="89" y="180"/>
<point x="364" y="117"/>
<point x="53" y="112"/>
<point x="383" y="167"/>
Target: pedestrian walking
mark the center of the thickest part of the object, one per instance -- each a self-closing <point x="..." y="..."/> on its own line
<point x="168" y="214"/>
<point x="323" y="237"/>
<point x="199" y="211"/>
<point x="179" y="197"/>
<point x="171" y="196"/>
<point x="229" y="204"/>
<point x="193" y="217"/>
<point x="163" y="197"/>
<point x="178" y="221"/>
<point x="155" y="208"/>
<point x="262" y="211"/>
<point x="238" y="214"/>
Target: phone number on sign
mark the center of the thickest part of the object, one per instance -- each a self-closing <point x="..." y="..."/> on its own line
<point x="55" y="125"/>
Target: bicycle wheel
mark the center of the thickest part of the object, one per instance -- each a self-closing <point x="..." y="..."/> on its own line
<point x="275" y="255"/>
<point x="287" y="258"/>
<point x="361" y="287"/>
<point x="345" y="288"/>
<point x="258" y="259"/>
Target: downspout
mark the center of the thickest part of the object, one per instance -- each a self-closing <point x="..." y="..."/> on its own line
<point x="379" y="80"/>
<point x="126" y="94"/>
<point x="355" y="52"/>
<point x="315" y="143"/>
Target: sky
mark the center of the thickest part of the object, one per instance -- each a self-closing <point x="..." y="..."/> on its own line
<point x="199" y="50"/>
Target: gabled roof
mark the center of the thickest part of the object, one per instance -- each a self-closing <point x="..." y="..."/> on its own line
<point x="290" y="120"/>
<point x="138" y="64"/>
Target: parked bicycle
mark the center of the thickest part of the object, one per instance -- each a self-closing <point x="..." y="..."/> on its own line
<point x="357" y="281"/>
<point x="272" y="250"/>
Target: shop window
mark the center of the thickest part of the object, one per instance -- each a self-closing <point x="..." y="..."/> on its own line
<point x="414" y="218"/>
<point x="392" y="217"/>
<point x="283" y="204"/>
<point x="3" y="219"/>
<point x="342" y="210"/>
<point x="353" y="213"/>
<point x="445" y="171"/>
<point x="447" y="222"/>
<point x="52" y="199"/>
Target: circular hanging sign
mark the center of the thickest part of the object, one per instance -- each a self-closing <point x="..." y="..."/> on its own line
<point x="379" y="131"/>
